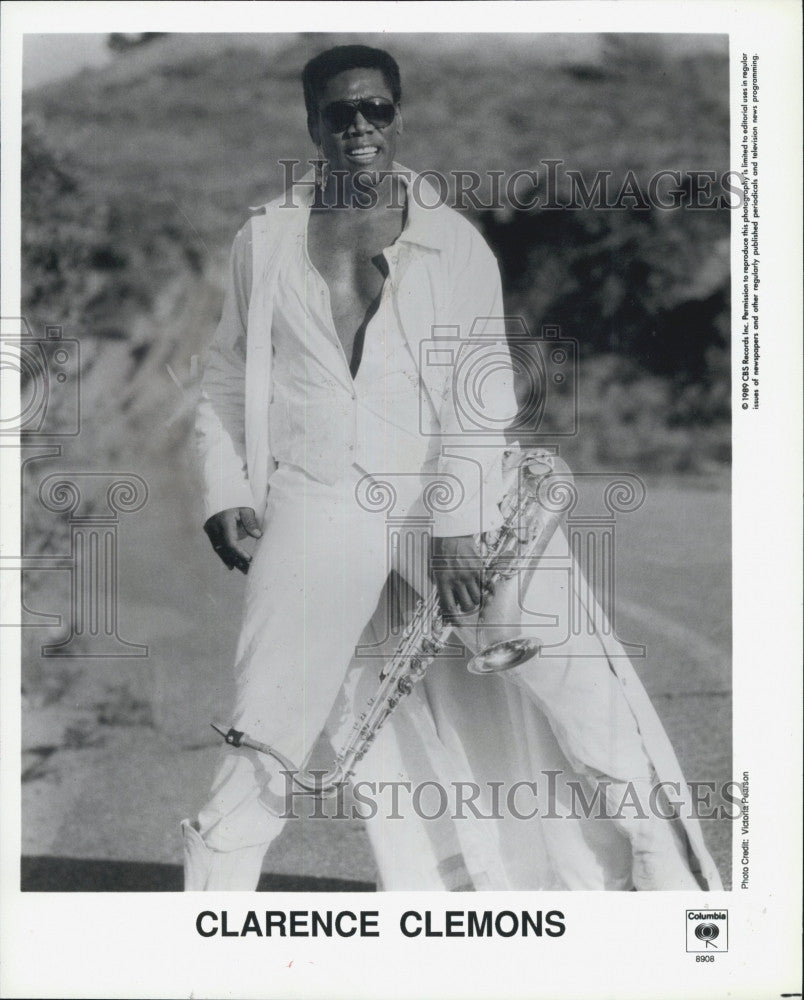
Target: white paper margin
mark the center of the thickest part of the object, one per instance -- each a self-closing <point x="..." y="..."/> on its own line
<point x="616" y="944"/>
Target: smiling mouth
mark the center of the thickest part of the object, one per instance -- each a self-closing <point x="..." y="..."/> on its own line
<point x="362" y="154"/>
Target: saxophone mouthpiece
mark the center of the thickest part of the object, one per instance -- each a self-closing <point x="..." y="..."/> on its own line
<point x="232" y="736"/>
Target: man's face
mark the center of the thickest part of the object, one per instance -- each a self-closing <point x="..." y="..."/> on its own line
<point x="360" y="146"/>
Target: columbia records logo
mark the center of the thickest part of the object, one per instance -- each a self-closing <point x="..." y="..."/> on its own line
<point x="708" y="930"/>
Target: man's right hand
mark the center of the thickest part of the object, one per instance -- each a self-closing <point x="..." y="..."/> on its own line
<point x="226" y="529"/>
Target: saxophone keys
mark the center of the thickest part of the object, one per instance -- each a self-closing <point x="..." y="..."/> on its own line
<point x="417" y="667"/>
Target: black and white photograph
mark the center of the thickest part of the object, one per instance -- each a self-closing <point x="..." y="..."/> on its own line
<point x="383" y="505"/>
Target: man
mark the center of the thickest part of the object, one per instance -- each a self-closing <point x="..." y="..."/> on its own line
<point x="332" y="375"/>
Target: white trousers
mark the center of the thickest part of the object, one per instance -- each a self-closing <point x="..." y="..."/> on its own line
<point x="314" y="582"/>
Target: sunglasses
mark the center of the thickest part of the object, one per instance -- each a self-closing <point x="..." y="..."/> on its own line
<point x="378" y="111"/>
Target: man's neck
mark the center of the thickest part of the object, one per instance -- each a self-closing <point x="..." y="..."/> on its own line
<point x="366" y="194"/>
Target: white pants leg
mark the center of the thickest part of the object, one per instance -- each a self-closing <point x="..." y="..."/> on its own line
<point x="313" y="584"/>
<point x="584" y="701"/>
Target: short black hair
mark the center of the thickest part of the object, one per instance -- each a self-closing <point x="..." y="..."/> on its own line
<point x="321" y="68"/>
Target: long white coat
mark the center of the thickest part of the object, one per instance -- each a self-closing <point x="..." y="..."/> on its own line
<point x="522" y="722"/>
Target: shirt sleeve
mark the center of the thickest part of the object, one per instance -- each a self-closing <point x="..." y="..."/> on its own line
<point x="238" y="287"/>
<point x="220" y="414"/>
<point x="479" y="400"/>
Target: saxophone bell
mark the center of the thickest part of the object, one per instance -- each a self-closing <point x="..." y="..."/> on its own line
<point x="497" y="639"/>
<point x="503" y="655"/>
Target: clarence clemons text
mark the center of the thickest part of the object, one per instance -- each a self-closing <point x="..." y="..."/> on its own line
<point x="366" y="923"/>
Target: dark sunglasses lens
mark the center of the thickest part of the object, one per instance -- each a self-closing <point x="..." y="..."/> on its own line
<point x="339" y="115"/>
<point x="378" y="113"/>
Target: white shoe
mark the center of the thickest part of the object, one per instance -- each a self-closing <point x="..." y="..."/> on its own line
<point x="206" y="870"/>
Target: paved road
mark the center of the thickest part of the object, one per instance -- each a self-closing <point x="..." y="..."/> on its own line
<point x="108" y="791"/>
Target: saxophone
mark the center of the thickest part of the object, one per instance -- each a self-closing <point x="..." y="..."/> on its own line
<point x="509" y="557"/>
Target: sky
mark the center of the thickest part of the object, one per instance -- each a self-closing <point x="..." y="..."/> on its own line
<point x="54" y="57"/>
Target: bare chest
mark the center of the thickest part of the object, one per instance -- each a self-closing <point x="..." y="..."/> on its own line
<point x="348" y="256"/>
